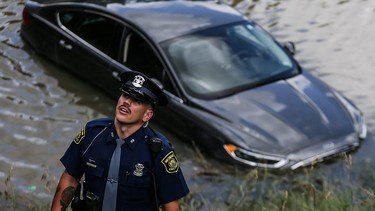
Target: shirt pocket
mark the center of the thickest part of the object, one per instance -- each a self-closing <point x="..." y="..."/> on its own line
<point x="137" y="189"/>
<point x="92" y="169"/>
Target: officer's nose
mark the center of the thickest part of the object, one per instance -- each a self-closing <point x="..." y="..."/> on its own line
<point x="125" y="100"/>
<point x="128" y="101"/>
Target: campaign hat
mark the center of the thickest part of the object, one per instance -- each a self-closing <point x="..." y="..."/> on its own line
<point x="142" y="88"/>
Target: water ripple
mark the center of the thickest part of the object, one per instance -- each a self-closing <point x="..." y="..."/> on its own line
<point x="19" y="163"/>
<point x="16" y="65"/>
<point x="24" y="116"/>
<point x="33" y="140"/>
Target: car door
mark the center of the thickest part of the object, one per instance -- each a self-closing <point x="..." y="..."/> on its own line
<point x="88" y="48"/>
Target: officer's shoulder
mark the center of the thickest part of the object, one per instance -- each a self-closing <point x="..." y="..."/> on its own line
<point x="101" y="122"/>
<point x="156" y="134"/>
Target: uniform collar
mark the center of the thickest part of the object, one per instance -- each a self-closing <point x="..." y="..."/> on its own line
<point x="112" y="136"/>
<point x="132" y="141"/>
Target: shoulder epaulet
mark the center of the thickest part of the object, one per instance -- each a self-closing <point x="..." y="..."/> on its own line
<point x="99" y="122"/>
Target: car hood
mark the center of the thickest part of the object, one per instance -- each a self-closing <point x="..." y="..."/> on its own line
<point x="285" y="116"/>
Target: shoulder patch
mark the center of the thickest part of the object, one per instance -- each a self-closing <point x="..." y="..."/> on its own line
<point x="80" y="136"/>
<point x="170" y="162"/>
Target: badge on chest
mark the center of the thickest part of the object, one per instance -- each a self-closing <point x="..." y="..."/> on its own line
<point x="138" y="170"/>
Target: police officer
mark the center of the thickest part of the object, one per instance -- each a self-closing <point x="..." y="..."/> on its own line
<point x="126" y="164"/>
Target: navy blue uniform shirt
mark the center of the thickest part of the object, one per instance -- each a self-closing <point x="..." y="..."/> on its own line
<point x="90" y="154"/>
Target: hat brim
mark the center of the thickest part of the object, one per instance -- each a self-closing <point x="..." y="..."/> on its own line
<point x="136" y="95"/>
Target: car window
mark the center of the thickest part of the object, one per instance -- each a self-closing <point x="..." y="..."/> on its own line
<point x="117" y="41"/>
<point x="223" y="60"/>
<point x="138" y="55"/>
<point x="101" y="32"/>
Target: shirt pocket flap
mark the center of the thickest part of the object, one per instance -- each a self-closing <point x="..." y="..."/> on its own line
<point x="93" y="169"/>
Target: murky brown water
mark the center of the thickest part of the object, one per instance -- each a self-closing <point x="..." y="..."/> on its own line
<point x="42" y="107"/>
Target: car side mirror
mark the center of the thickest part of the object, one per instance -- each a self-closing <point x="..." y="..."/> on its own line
<point x="157" y="82"/>
<point x="289" y="47"/>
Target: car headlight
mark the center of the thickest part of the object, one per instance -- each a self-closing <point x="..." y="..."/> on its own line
<point x="253" y="158"/>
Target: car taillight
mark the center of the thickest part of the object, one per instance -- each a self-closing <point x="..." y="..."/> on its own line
<point x="25" y="16"/>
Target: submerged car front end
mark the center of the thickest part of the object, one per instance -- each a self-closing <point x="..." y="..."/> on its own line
<point x="305" y="157"/>
<point x="293" y="123"/>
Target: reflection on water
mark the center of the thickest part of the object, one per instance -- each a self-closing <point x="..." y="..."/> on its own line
<point x="42" y="107"/>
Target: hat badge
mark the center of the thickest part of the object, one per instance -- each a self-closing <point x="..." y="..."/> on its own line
<point x="138" y="81"/>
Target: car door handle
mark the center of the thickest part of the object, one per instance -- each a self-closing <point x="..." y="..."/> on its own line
<point x="63" y="44"/>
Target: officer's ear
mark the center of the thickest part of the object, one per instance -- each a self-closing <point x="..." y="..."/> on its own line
<point x="148" y="114"/>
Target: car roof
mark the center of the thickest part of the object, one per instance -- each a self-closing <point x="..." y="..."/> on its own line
<point x="163" y="20"/>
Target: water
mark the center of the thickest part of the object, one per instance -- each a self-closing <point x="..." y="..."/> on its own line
<point x="43" y="107"/>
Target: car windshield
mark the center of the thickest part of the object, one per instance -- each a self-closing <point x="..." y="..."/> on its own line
<point x="227" y="59"/>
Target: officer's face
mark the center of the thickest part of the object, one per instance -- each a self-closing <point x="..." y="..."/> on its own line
<point x="131" y="111"/>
